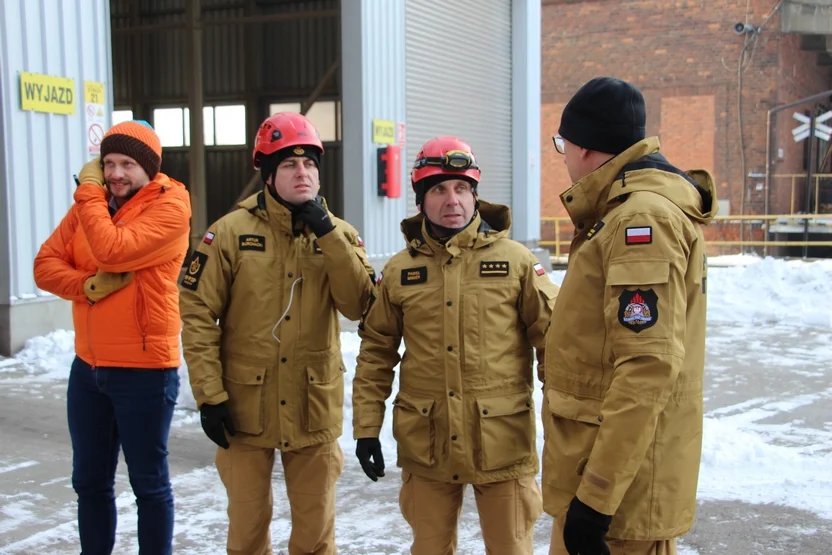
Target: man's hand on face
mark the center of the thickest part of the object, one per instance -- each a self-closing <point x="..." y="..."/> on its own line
<point x="315" y="215"/>
<point x="92" y="173"/>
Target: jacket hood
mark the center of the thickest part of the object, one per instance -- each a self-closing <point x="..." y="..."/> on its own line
<point x="634" y="170"/>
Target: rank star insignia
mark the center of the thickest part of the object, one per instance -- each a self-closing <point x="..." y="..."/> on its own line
<point x="494" y="268"/>
<point x="594" y="229"/>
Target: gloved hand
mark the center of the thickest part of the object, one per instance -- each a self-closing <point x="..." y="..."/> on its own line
<point x="215" y="419"/>
<point x="315" y="215"/>
<point x="584" y="530"/>
<point x="92" y="173"/>
<point x="105" y="283"/>
<point x="365" y="449"/>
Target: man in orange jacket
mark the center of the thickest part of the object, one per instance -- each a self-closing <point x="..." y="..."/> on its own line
<point x="116" y="255"/>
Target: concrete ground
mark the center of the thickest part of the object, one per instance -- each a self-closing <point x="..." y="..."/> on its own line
<point x="37" y="503"/>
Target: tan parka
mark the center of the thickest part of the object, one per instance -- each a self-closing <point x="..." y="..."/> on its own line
<point x="469" y="312"/>
<point x="283" y="383"/>
<point x="625" y="351"/>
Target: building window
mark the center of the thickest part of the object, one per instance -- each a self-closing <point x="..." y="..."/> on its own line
<point x="170" y="126"/>
<point x="207" y="126"/>
<point x="120" y="116"/>
<point x="324" y="115"/>
<point x="229" y="125"/>
<point x="222" y="125"/>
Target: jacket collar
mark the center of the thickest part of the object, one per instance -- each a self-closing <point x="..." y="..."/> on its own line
<point x="490" y="222"/>
<point x="586" y="201"/>
<point x="265" y="207"/>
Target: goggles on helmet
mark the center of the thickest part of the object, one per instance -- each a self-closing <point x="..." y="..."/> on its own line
<point x="453" y="160"/>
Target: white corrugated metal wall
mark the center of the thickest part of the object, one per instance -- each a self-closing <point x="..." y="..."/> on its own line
<point x="373" y="74"/>
<point x="459" y="82"/>
<point x="41" y="151"/>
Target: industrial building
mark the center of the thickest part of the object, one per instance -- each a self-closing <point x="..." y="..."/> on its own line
<point x="375" y="76"/>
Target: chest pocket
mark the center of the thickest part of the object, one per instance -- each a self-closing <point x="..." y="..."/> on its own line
<point x="491" y="325"/>
<point x="318" y="316"/>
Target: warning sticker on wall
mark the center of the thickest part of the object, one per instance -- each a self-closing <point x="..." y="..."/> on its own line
<point x="94" y="121"/>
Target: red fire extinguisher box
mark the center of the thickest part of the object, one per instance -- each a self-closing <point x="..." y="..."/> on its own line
<point x="389" y="175"/>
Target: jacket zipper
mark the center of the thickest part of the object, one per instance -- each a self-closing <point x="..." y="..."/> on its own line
<point x="89" y="335"/>
<point x="140" y="296"/>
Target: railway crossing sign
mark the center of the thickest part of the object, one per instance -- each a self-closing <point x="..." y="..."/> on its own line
<point x="802" y="131"/>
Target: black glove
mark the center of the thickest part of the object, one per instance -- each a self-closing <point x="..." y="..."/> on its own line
<point x="213" y="419"/>
<point x="313" y="214"/>
<point x="584" y="530"/>
<point x="366" y="448"/>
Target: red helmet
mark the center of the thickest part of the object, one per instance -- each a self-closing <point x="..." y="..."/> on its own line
<point x="282" y="130"/>
<point x="445" y="156"/>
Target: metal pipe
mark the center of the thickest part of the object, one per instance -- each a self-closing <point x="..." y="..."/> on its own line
<point x="807" y="202"/>
<point x="242" y="20"/>
<point x="768" y="178"/>
<point x="770" y="113"/>
<point x="196" y="152"/>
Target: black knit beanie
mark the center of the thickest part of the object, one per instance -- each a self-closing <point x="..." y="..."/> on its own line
<point x="606" y="114"/>
<point x="423" y="186"/>
<point x="268" y="165"/>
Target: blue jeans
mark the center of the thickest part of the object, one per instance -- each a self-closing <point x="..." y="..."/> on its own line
<point x="108" y="408"/>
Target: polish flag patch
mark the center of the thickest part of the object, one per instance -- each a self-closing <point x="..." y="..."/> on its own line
<point x="380" y="276"/>
<point x="208" y="239"/>
<point x="538" y="269"/>
<point x="360" y="240"/>
<point x="639" y="235"/>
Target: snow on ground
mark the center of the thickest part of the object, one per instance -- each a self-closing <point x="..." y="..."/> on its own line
<point x="760" y="449"/>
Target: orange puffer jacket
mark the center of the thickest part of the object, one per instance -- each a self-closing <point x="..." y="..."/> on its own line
<point x="137" y="326"/>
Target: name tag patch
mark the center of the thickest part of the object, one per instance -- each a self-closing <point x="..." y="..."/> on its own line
<point x="191" y="278"/>
<point x="252" y="243"/>
<point x="412" y="276"/>
<point x="494" y="268"/>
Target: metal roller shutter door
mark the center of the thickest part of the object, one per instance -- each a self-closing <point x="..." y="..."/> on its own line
<point x="459" y="83"/>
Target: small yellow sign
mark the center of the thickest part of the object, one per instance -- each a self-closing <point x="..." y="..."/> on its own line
<point x="384" y="131"/>
<point x="93" y="92"/>
<point x="47" y="93"/>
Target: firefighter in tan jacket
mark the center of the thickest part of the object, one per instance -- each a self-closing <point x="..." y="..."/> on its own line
<point x="625" y="350"/>
<point x="471" y="305"/>
<point x="260" y="302"/>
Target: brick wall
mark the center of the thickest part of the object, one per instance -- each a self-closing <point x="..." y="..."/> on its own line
<point x="687" y="131"/>
<point x="683" y="55"/>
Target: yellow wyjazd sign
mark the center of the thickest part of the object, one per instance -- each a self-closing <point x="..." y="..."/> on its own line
<point x="47" y="93"/>
<point x="384" y="131"/>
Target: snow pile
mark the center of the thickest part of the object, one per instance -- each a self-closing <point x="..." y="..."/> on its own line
<point x="772" y="291"/>
<point x="747" y="289"/>
<point x="739" y="464"/>
<point x="50" y="356"/>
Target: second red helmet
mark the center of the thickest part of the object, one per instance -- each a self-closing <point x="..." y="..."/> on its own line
<point x="445" y="155"/>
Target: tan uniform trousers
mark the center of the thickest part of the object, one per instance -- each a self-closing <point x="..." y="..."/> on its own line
<point x="617" y="547"/>
<point x="508" y="511"/>
<point x="310" y="475"/>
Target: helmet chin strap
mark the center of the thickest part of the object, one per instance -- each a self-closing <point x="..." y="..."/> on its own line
<point x="283" y="202"/>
